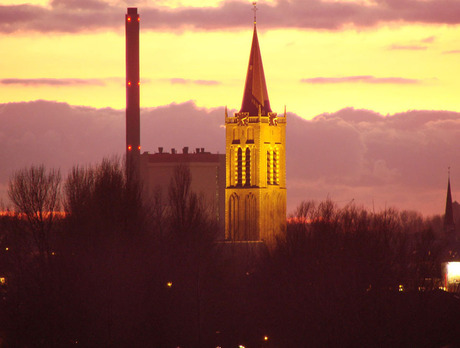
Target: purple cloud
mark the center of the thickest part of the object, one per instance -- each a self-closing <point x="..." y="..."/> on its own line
<point x="398" y="160"/>
<point x="76" y="16"/>
<point x="360" y="79"/>
<point x="430" y="39"/>
<point x="52" y="82"/>
<point x="79" y="4"/>
<point x="182" y="81"/>
<point x="408" y="47"/>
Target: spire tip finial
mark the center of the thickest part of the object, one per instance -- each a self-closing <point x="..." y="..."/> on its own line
<point x="255" y="10"/>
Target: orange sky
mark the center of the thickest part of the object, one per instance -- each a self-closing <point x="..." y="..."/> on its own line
<point x="392" y="66"/>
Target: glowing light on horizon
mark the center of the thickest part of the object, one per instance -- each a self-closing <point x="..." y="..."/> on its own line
<point x="44" y="214"/>
<point x="453" y="272"/>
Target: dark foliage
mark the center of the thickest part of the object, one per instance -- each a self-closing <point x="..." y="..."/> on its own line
<point x="122" y="270"/>
<point x="347" y="277"/>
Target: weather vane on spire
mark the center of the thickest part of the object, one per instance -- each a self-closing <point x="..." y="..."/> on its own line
<point x="255" y="10"/>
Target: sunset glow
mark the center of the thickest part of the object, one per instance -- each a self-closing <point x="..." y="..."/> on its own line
<point x="390" y="66"/>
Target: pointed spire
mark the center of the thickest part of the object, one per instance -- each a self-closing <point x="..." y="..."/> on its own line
<point x="449" y="214"/>
<point x="255" y="89"/>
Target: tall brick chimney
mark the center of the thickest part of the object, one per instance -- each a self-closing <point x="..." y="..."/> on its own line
<point x="133" y="145"/>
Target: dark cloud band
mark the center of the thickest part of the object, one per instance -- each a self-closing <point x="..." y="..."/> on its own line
<point x="52" y="82"/>
<point x="182" y="81"/>
<point x="76" y="16"/>
<point x="360" y="79"/>
<point x="398" y="159"/>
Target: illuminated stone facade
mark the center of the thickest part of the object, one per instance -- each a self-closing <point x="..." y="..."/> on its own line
<point x="255" y="194"/>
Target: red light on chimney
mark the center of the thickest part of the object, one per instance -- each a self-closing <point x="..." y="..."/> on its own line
<point x="129" y="19"/>
<point x="139" y="147"/>
<point x="129" y="147"/>
<point x="138" y="19"/>
<point x="139" y="83"/>
<point x="129" y="83"/>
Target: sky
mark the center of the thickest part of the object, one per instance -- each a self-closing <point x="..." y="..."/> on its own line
<point x="359" y="72"/>
<point x="319" y="55"/>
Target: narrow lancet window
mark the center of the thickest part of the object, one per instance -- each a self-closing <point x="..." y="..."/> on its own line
<point x="233" y="217"/>
<point x="269" y="169"/>
<point x="275" y="167"/>
<point x="235" y="134"/>
<point x="240" y="167"/>
<point x="248" y="167"/>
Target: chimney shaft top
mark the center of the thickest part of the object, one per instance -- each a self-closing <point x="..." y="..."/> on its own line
<point x="132" y="10"/>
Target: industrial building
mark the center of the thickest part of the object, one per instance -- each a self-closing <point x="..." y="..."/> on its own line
<point x="207" y="171"/>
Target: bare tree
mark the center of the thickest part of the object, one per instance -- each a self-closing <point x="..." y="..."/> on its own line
<point x="187" y="212"/>
<point x="35" y="194"/>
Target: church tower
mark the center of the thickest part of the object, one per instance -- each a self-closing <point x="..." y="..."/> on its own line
<point x="255" y="194"/>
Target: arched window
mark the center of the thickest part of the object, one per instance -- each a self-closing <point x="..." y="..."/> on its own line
<point x="240" y="167"/>
<point x="269" y="169"/>
<point x="275" y="167"/>
<point x="235" y="134"/>
<point x="248" y="167"/>
<point x="250" y="218"/>
<point x="233" y="214"/>
<point x="250" y="134"/>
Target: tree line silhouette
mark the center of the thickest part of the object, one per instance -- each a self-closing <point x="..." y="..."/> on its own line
<point x="122" y="270"/>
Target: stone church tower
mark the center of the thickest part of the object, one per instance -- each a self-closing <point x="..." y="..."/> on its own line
<point x="255" y="194"/>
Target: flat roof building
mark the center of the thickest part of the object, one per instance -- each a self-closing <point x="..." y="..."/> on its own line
<point x="207" y="171"/>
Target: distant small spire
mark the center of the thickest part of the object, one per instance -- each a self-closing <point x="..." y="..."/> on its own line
<point x="255" y="10"/>
<point x="449" y="223"/>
